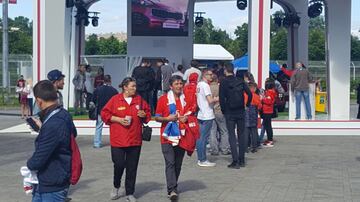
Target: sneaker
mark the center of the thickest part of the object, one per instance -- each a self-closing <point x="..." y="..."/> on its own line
<point x="242" y="164"/>
<point x="253" y="150"/>
<point x="173" y="196"/>
<point x="269" y="144"/>
<point x="117" y="193"/>
<point x="130" y="198"/>
<point x="114" y="195"/>
<point x="214" y="153"/>
<point x="206" y="164"/>
<point x="226" y="152"/>
<point x="234" y="165"/>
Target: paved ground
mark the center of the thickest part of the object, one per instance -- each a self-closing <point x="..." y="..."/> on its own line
<point x="296" y="169"/>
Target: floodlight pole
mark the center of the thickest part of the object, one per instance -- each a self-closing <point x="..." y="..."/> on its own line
<point x="5" y="56"/>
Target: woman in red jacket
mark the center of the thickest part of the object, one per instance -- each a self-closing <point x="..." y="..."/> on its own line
<point x="268" y="102"/>
<point x="124" y="113"/>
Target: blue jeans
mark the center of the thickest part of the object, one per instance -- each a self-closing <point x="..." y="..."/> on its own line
<point x="205" y="128"/>
<point x="50" y="197"/>
<point x="262" y="134"/>
<point x="98" y="132"/>
<point x="298" y="97"/>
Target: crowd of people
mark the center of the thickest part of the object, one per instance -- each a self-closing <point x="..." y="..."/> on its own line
<point x="196" y="107"/>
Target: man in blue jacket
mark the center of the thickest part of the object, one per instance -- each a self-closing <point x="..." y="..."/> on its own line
<point x="52" y="157"/>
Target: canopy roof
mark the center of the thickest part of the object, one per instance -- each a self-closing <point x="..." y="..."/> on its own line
<point x="211" y="52"/>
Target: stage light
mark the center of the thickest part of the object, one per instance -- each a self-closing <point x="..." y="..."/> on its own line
<point x="199" y="21"/>
<point x="86" y="22"/>
<point x="278" y="20"/>
<point x="95" y="21"/>
<point x="287" y="21"/>
<point x="315" y="8"/>
<point x="296" y="20"/>
<point x="291" y="20"/>
<point x="241" y="4"/>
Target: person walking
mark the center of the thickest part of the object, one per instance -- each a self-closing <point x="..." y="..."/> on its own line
<point x="125" y="113"/>
<point x="144" y="76"/>
<point x="102" y="95"/>
<point x="219" y="137"/>
<point x="166" y="73"/>
<point x="300" y="87"/>
<point x="232" y="105"/>
<point x="79" y="83"/>
<point x="52" y="157"/>
<point x="206" y="116"/>
<point x="89" y="86"/>
<point x="172" y="111"/>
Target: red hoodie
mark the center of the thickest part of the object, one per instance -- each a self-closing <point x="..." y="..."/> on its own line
<point x="268" y="101"/>
<point x="190" y="94"/>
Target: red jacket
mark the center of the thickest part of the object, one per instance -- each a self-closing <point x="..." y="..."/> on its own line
<point x="287" y="72"/>
<point x="192" y="131"/>
<point x="268" y="101"/>
<point x="190" y="94"/>
<point x="255" y="100"/>
<point x="122" y="136"/>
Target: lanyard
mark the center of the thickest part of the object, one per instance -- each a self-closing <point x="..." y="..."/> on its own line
<point x="52" y="114"/>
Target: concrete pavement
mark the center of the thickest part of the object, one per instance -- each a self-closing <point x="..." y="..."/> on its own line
<point x="296" y="169"/>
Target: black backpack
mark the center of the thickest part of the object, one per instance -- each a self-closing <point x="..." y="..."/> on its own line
<point x="236" y="94"/>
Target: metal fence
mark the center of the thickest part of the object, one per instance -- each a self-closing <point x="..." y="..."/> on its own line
<point x="118" y="67"/>
<point x="18" y="65"/>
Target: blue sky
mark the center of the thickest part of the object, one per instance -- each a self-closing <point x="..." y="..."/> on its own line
<point x="225" y="15"/>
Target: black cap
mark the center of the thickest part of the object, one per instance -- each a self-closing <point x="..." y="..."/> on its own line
<point x="55" y="75"/>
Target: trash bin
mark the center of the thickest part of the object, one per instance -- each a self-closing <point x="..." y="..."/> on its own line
<point x="320" y="101"/>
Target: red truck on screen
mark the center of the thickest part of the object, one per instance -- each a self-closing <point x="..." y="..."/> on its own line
<point x="155" y="15"/>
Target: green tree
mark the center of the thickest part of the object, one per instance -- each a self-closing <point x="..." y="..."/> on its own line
<point x="239" y="46"/>
<point x="20" y="35"/>
<point x="316" y="44"/>
<point x="355" y="48"/>
<point x="105" y="46"/>
<point x="278" y="45"/>
<point x="91" y="45"/>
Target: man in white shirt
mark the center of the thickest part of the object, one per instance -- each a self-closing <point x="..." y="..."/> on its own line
<point x="206" y="115"/>
<point x="192" y="69"/>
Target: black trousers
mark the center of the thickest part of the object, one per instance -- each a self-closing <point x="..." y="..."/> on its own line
<point x="146" y="96"/>
<point x="267" y="125"/>
<point x="31" y="104"/>
<point x="88" y="99"/>
<point x="173" y="160"/>
<point x="358" y="115"/>
<point x="237" y="144"/>
<point x="125" y="158"/>
<point x="154" y="101"/>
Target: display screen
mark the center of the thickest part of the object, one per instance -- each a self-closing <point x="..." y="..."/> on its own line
<point x="159" y="17"/>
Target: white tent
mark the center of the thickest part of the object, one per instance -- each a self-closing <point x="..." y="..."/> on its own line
<point x="211" y="52"/>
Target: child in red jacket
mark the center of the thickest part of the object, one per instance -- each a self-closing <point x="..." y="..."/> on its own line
<point x="190" y="94"/>
<point x="251" y="118"/>
<point x="268" y="101"/>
